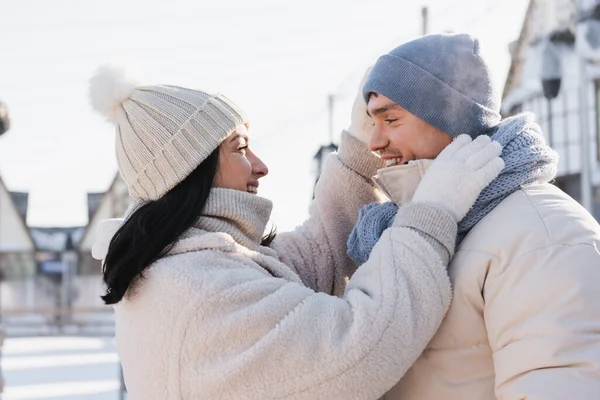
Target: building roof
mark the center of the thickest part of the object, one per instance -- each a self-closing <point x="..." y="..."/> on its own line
<point x="20" y="216"/>
<point x="21" y="201"/>
<point x="93" y="202"/>
<point x="103" y="206"/>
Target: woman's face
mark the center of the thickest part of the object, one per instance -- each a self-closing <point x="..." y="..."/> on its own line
<point x="239" y="168"/>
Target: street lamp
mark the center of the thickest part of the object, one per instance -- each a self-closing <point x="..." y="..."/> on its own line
<point x="552" y="70"/>
<point x="4" y="120"/>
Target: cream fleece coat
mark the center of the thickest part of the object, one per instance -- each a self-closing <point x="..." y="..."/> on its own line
<point x="221" y="317"/>
<point x="524" y="323"/>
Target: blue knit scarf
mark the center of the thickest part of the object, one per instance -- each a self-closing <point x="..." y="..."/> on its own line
<point x="527" y="160"/>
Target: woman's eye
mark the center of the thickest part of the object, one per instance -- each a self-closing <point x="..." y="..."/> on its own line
<point x="389" y="121"/>
<point x="242" y="149"/>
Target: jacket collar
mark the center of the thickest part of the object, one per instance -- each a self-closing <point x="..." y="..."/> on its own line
<point x="400" y="183"/>
<point x="241" y="215"/>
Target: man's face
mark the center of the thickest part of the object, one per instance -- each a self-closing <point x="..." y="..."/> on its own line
<point x="399" y="136"/>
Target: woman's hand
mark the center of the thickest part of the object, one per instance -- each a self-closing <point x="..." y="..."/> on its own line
<point x="459" y="174"/>
<point x="361" y="126"/>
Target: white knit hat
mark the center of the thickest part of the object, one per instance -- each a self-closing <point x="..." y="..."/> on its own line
<point x="163" y="132"/>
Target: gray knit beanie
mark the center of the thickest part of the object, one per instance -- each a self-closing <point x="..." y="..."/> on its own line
<point x="442" y="80"/>
<point x="163" y="132"/>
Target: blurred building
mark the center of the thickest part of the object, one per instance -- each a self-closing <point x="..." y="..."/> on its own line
<point x="111" y="204"/>
<point x="49" y="279"/>
<point x="545" y="77"/>
<point x="17" y="246"/>
<point x="319" y="160"/>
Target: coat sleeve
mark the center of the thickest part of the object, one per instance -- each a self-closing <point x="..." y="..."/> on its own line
<point x="282" y="340"/>
<point x="543" y="319"/>
<point x="317" y="249"/>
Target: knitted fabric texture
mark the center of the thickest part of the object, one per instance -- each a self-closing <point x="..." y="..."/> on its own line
<point x="527" y="159"/>
<point x="443" y="80"/>
<point x="165" y="132"/>
<point x="162" y="132"/>
<point x="242" y="215"/>
<point x="373" y="219"/>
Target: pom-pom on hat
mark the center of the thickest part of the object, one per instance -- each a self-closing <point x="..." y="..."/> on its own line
<point x="162" y="132"/>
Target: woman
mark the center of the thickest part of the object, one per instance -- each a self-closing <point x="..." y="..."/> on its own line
<point x="207" y="308"/>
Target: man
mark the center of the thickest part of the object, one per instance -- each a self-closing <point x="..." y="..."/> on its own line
<point x="525" y="318"/>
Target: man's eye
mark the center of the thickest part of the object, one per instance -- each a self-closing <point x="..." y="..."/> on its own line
<point x="242" y="149"/>
<point x="389" y="121"/>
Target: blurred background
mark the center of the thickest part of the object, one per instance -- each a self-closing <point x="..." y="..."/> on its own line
<point x="294" y="67"/>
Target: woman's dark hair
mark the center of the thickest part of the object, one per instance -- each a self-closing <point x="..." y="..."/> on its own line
<point x="152" y="229"/>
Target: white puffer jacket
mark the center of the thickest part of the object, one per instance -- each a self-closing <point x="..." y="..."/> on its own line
<point x="524" y="323"/>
